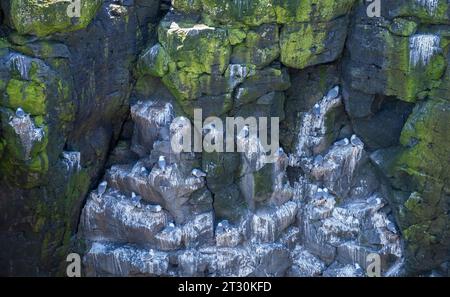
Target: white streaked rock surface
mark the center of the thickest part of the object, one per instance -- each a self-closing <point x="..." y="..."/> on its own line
<point x="109" y="260"/>
<point x="304" y="264"/>
<point x="113" y="217"/>
<point x="325" y="222"/>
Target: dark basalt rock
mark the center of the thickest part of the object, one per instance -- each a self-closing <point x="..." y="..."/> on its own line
<point x="382" y="129"/>
<point x="93" y="67"/>
<point x="88" y="105"/>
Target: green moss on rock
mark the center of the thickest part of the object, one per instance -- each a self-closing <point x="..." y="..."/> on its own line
<point x="260" y="48"/>
<point x="405" y="80"/>
<point x="298" y="44"/>
<point x="2" y="147"/>
<point x="183" y="85"/>
<point x="28" y="95"/>
<point x="264" y="181"/>
<point x="426" y="138"/>
<point x="425" y="13"/>
<point x="187" y="54"/>
<point x="153" y="61"/>
<point x="56" y="220"/>
<point x="256" y="12"/>
<point x="4" y="44"/>
<point x="46" y="17"/>
<point x="196" y="48"/>
<point x="236" y="35"/>
<point x="188" y="6"/>
<point x="25" y="174"/>
<point x="311" y="10"/>
<point x="307" y="44"/>
<point x="221" y="169"/>
<point x="248" y="12"/>
<point x="403" y="27"/>
<point x="421" y="168"/>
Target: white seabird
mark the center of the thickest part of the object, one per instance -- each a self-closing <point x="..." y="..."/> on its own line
<point x="318" y="160"/>
<point x="319" y="194"/>
<point x="316" y="110"/>
<point x="280" y="151"/>
<point x="136" y="200"/>
<point x="246" y="131"/>
<point x="20" y="113"/>
<point x="333" y="93"/>
<point x="356" y="141"/>
<point x="391" y="227"/>
<point x="155" y="208"/>
<point x="102" y="188"/>
<point x="326" y="193"/>
<point x="342" y="142"/>
<point x="198" y="173"/>
<point x="162" y="163"/>
<point x="223" y="226"/>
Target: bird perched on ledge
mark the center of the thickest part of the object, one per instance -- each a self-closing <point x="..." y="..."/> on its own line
<point x="162" y="163"/>
<point x="198" y="173"/>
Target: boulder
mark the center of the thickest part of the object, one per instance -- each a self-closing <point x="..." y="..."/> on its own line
<point x="44" y="18"/>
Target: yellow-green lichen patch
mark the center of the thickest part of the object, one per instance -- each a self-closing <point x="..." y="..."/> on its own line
<point x="46" y="17"/>
<point x="426" y="137"/>
<point x="28" y="95"/>
<point x="196" y="48"/>
<point x="247" y="12"/>
<point x="405" y="79"/>
<point x="311" y="10"/>
<point x="300" y="43"/>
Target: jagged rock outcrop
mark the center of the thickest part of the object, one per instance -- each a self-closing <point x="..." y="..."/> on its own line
<point x="326" y="223"/>
<point x="90" y="103"/>
<point x="42" y="18"/>
<point x="242" y="38"/>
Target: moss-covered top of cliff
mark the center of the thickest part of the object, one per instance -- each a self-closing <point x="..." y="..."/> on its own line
<point x="257" y="12"/>
<point x="45" y="17"/>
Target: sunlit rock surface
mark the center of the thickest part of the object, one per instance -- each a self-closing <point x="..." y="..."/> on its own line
<point x="88" y="104"/>
<point x="333" y="217"/>
<point x="28" y="135"/>
<point x="109" y="260"/>
<point x="304" y="264"/>
<point x="117" y="218"/>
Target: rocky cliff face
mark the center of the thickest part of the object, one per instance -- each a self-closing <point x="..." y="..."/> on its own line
<point x="74" y="89"/>
<point x="89" y="102"/>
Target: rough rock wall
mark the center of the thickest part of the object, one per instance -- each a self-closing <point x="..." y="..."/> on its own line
<point x="364" y="165"/>
<point x="72" y="88"/>
<point x="404" y="56"/>
<point x="243" y="58"/>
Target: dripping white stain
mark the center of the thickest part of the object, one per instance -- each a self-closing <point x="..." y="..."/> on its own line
<point x="241" y="5"/>
<point x="430" y="5"/>
<point x="21" y="64"/>
<point x="422" y="48"/>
